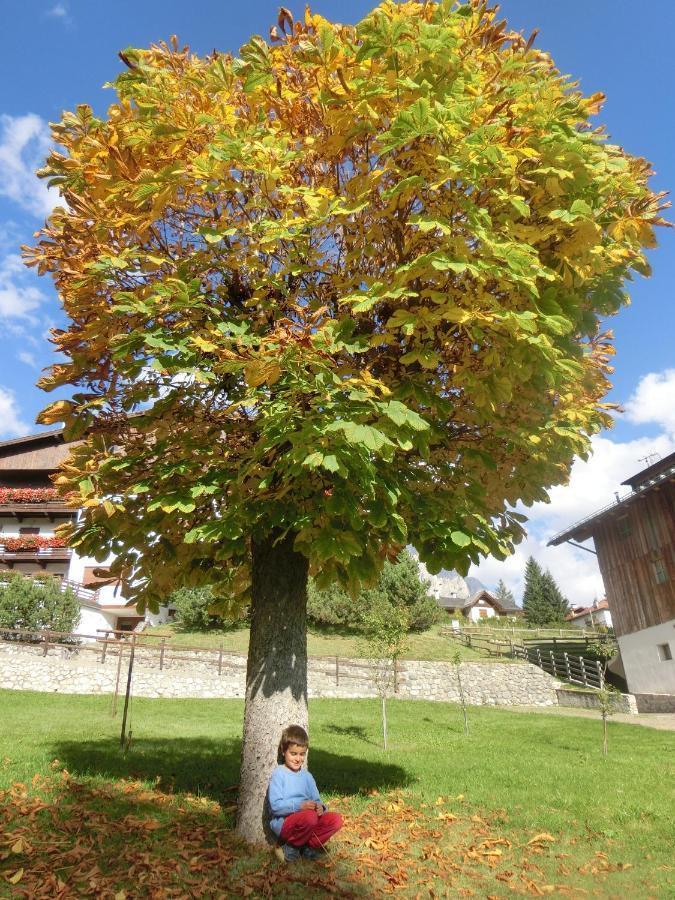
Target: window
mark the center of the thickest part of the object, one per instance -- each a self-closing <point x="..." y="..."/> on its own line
<point x="660" y="571"/>
<point x="665" y="653"/>
<point x="29" y="531"/>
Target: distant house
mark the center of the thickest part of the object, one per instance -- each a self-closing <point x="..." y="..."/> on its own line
<point x="464" y="596"/>
<point x="635" y="545"/>
<point x="590" y="616"/>
<point x="30" y="512"/>
<point x="481" y="605"/>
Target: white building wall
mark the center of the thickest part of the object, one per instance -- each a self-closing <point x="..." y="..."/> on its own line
<point x="93" y="619"/>
<point x="475" y="615"/>
<point x="9" y="526"/>
<point x="646" y="671"/>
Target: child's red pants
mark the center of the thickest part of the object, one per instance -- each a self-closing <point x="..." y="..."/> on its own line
<point x="306" y="827"/>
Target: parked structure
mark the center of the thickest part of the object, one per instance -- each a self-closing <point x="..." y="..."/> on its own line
<point x="635" y="545"/>
<point x="31" y="511"/>
<point x="590" y="616"/>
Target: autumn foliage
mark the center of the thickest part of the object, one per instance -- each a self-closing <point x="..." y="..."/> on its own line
<point x="349" y="284"/>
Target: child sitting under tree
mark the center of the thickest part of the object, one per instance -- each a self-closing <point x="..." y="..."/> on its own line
<point x="299" y="817"/>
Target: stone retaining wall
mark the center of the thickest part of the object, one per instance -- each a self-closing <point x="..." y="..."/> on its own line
<point x="81" y="671"/>
<point x="655" y="703"/>
<point x="623" y="703"/>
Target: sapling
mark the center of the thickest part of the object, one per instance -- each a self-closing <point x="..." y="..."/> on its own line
<point x="385" y="643"/>
<point x="456" y="661"/>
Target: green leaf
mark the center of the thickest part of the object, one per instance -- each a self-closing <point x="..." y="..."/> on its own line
<point x="460" y="538"/>
<point x="331" y="463"/>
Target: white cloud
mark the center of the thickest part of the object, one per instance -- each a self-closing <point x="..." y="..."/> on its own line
<point x="654" y="401"/>
<point x="25" y="357"/>
<point x="11" y="423"/>
<point x="593" y="484"/>
<point x="19" y="297"/>
<point x="58" y="11"/>
<point x="24" y="144"/>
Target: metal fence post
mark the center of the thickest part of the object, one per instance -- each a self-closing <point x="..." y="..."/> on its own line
<point x="539" y="658"/>
<point x="583" y="671"/>
<point x="567" y="666"/>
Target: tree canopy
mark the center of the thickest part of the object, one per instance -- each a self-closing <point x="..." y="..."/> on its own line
<point x="346" y="286"/>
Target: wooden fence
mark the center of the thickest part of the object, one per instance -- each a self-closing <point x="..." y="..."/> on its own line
<point x="562" y="664"/>
<point x="157" y="650"/>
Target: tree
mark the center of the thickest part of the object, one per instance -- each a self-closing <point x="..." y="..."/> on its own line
<point x="192" y="608"/>
<point x="336" y="295"/>
<point x="504" y="595"/>
<point x="386" y="630"/>
<point x="457" y="663"/>
<point x="543" y="602"/>
<point x="552" y="596"/>
<point x="535" y="607"/>
<point x="36" y="603"/>
<point x="399" y="585"/>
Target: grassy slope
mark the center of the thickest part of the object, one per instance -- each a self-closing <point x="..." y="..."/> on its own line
<point x="517" y="775"/>
<point x="427" y="645"/>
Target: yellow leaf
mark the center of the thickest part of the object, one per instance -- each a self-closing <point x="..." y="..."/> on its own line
<point x="17" y="847"/>
<point x="539" y="838"/>
<point x="16" y="877"/>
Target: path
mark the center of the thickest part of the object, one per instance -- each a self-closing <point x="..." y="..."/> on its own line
<point x="661" y="721"/>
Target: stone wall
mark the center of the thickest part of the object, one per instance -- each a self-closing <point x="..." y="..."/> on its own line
<point x="623" y="703"/>
<point x="655" y="703"/>
<point x="195" y="674"/>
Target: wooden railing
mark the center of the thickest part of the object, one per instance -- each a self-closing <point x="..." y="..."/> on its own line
<point x="39" y="553"/>
<point x="572" y="667"/>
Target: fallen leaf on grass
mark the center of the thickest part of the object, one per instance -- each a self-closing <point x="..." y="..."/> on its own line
<point x="16" y="877"/>
<point x="541" y="838"/>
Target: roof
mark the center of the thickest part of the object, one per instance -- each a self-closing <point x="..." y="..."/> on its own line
<point x="579" y="611"/>
<point x="32" y="438"/>
<point x="468" y="602"/>
<point x="661" y="472"/>
<point x="651" y="472"/>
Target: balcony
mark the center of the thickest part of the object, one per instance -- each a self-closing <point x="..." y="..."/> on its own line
<point x="30" y="503"/>
<point x="35" y="550"/>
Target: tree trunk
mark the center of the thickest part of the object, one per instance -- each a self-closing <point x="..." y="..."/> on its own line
<point x="276" y="673"/>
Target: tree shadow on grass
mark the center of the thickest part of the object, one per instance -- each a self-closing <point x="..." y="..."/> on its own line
<point x="210" y="768"/>
<point x="356" y="731"/>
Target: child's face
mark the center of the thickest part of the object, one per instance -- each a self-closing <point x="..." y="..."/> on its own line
<point x="294" y="757"/>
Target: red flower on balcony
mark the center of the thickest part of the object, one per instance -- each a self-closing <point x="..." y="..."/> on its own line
<point x="30" y="542"/>
<point x="28" y="495"/>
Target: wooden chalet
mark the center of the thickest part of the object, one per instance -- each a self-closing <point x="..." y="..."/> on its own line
<point x="634" y="541"/>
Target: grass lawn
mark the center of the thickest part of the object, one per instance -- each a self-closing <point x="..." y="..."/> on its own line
<point x="526" y="805"/>
<point x="430" y="645"/>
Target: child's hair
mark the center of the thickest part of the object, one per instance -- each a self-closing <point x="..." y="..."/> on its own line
<point x="294" y="734"/>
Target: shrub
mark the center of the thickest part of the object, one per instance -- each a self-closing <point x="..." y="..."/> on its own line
<point x="36" y="603"/>
<point x="399" y="587"/>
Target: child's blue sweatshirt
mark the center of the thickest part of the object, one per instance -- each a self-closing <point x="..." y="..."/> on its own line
<point x="287" y="791"/>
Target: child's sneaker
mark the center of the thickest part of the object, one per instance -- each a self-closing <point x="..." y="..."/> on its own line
<point x="310" y="853"/>
<point x="287" y="853"/>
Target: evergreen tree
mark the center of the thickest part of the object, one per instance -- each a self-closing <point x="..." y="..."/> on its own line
<point x="504" y="595"/>
<point x="553" y="598"/>
<point x="534" y="605"/>
<point x="399" y="587"/>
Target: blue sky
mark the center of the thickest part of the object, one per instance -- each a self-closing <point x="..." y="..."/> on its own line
<point x="58" y="53"/>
